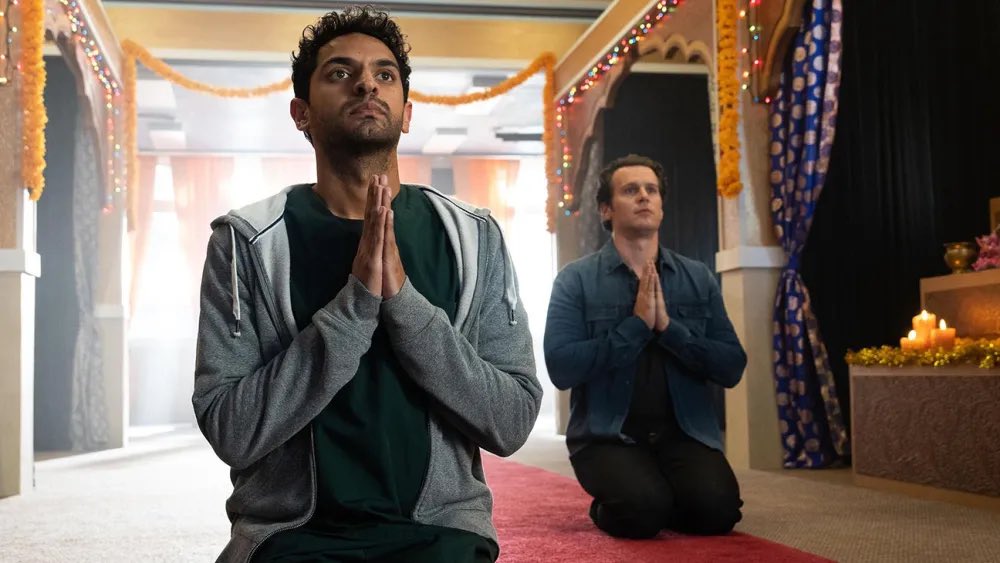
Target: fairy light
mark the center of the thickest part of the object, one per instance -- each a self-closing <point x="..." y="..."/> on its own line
<point x="753" y="64"/>
<point x="9" y="29"/>
<point x="595" y="74"/>
<point x="98" y="63"/>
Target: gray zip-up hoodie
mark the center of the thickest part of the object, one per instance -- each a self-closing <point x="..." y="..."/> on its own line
<point x="259" y="382"/>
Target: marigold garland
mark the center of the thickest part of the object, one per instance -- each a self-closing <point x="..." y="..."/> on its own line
<point x="546" y="62"/>
<point x="133" y="51"/>
<point x="983" y="353"/>
<point x="32" y="67"/>
<point x="729" y="183"/>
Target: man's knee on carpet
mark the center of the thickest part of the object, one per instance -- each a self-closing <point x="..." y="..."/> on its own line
<point x="711" y="513"/>
<point x="644" y="516"/>
<point x="636" y="512"/>
<point x="622" y="520"/>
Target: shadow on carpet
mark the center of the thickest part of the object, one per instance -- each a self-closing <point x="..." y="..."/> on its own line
<point x="542" y="516"/>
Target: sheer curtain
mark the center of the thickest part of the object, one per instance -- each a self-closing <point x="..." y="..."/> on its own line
<point x="88" y="417"/>
<point x="187" y="193"/>
<point x="486" y="182"/>
<point x="415" y="170"/>
<point x="282" y="171"/>
<point x="200" y="195"/>
<point x="139" y="235"/>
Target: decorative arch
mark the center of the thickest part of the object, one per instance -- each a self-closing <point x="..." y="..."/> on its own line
<point x="675" y="48"/>
<point x="85" y="40"/>
<point x="661" y="45"/>
<point x="688" y="36"/>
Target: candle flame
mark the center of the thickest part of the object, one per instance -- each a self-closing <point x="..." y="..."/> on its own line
<point x="943" y="325"/>
<point x="924" y="315"/>
<point x="912" y="335"/>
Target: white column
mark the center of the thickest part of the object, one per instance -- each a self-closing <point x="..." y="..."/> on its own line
<point x="19" y="268"/>
<point x="750" y="263"/>
<point x="749" y="278"/>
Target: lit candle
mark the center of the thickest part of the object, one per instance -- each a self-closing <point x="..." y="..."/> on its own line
<point x="924" y="323"/>
<point x="912" y="341"/>
<point x="943" y="337"/>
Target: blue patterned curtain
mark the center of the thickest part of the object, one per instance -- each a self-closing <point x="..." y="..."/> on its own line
<point x="803" y="119"/>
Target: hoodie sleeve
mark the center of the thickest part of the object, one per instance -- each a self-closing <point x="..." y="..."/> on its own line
<point x="488" y="392"/>
<point x="249" y="400"/>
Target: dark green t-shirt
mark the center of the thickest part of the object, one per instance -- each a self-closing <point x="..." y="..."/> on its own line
<point x="371" y="441"/>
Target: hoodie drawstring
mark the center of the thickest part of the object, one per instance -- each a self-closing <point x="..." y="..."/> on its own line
<point x="235" y="281"/>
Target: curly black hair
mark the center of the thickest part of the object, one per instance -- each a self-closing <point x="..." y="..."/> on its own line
<point x="354" y="19"/>
<point x="605" y="189"/>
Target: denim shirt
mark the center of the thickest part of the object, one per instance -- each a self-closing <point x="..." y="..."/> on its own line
<point x="593" y="341"/>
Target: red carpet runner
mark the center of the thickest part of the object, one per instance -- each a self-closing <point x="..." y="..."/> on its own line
<point x="541" y="516"/>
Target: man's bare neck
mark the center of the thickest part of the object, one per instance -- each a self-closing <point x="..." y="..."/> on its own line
<point x="637" y="250"/>
<point x="343" y="183"/>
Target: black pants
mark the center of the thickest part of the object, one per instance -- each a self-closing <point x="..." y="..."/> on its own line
<point x="638" y="490"/>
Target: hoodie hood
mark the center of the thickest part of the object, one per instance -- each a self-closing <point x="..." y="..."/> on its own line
<point x="262" y="225"/>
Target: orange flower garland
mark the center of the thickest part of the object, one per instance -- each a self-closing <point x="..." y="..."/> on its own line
<point x="729" y="183"/>
<point x="32" y="67"/>
<point x="546" y="62"/>
<point x="133" y="51"/>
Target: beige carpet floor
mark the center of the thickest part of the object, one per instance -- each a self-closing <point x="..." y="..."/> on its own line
<point x="161" y="499"/>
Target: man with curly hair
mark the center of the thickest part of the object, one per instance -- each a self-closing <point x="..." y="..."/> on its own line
<point x="360" y="339"/>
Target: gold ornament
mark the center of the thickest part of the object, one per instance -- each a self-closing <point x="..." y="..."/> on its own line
<point x="983" y="353"/>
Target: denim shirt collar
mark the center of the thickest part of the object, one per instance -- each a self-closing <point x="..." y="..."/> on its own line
<point x="612" y="260"/>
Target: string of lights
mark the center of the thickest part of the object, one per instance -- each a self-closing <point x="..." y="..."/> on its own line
<point x="615" y="55"/>
<point x="101" y="69"/>
<point x="7" y="39"/>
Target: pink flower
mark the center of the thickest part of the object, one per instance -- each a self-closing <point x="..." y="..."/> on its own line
<point x="989" y="252"/>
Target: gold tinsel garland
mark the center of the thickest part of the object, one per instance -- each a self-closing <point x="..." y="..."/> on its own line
<point x="133" y="51"/>
<point x="983" y="353"/>
<point x="729" y="183"/>
<point x="32" y="69"/>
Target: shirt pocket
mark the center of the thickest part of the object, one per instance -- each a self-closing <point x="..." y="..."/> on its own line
<point x="601" y="319"/>
<point x="694" y="316"/>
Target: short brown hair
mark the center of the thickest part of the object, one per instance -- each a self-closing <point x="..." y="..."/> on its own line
<point x="605" y="189"/>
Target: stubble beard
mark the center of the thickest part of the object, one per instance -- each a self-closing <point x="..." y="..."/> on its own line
<point x="365" y="140"/>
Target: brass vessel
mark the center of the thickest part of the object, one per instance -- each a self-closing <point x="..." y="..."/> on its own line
<point x="959" y="256"/>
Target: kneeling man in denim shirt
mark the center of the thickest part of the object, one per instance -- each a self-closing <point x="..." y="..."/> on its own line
<point x="638" y="332"/>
